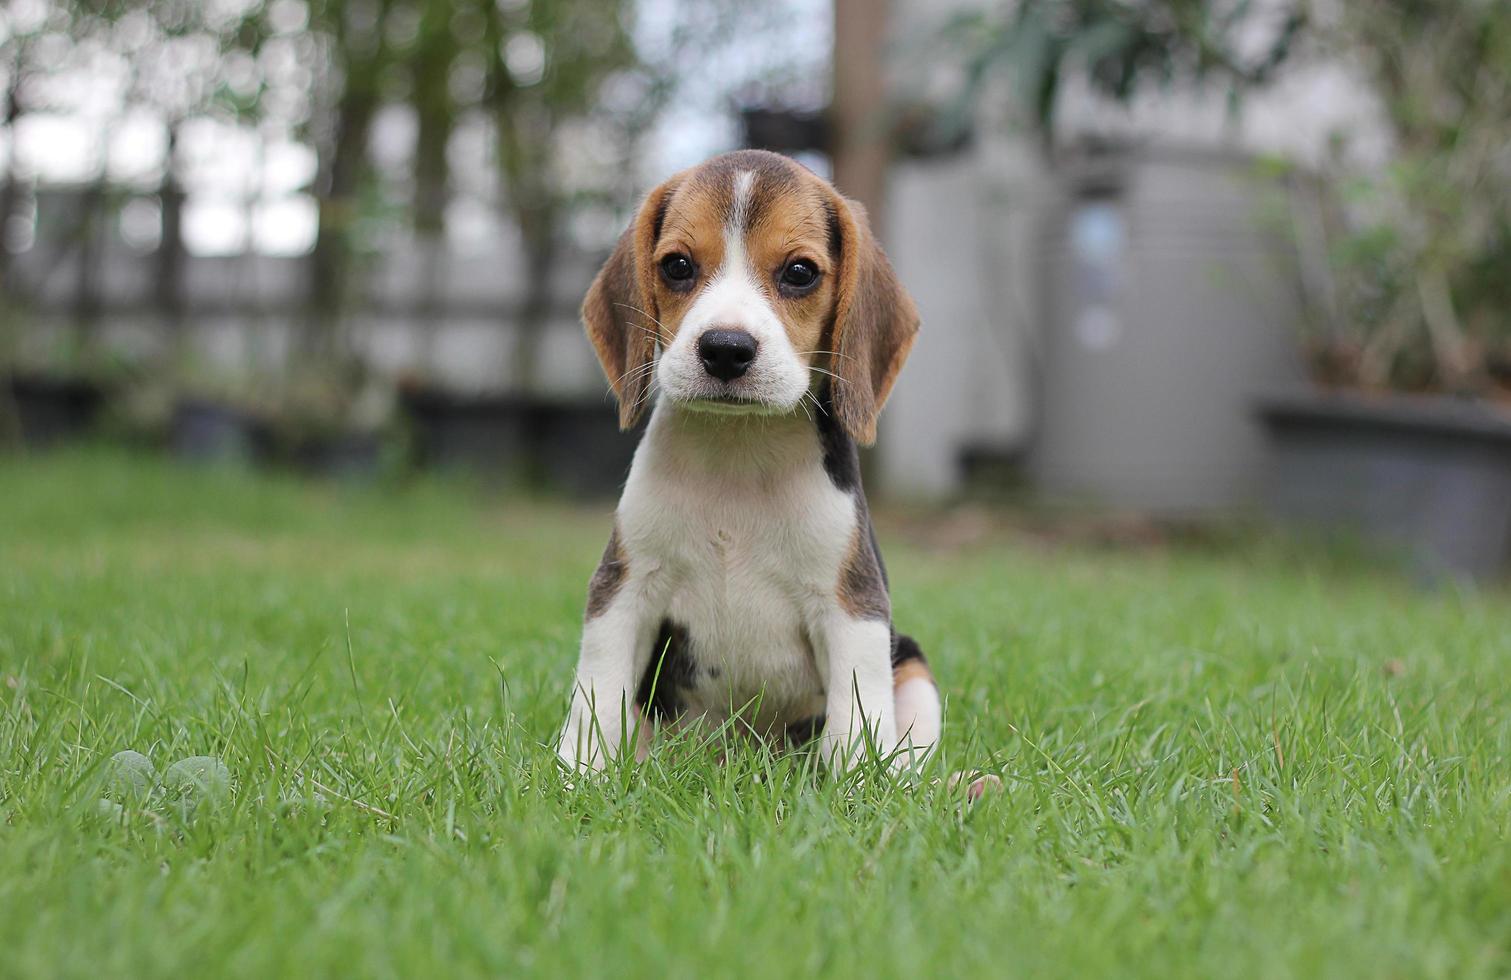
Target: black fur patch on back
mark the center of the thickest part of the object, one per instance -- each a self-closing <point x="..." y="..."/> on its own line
<point x="864" y="585"/>
<point x="669" y="674"/>
<point x="905" y="648"/>
<point x="841" y="458"/>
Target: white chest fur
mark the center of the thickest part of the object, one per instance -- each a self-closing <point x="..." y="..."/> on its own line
<point x="734" y="532"/>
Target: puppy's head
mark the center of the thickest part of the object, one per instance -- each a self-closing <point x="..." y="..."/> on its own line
<point x="742" y="284"/>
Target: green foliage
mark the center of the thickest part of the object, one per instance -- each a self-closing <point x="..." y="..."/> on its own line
<point x="1257" y="763"/>
<point x="1423" y="248"/>
<point x="1120" y="46"/>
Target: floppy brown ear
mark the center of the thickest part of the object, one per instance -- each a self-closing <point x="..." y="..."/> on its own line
<point x="875" y="324"/>
<point x="620" y="313"/>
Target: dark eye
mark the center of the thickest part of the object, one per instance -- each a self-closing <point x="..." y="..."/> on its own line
<point x="678" y="269"/>
<point x="799" y="274"/>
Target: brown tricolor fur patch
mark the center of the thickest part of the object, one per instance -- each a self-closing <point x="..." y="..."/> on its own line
<point x="915" y="669"/>
<point x="862" y="589"/>
<point x="608" y="577"/>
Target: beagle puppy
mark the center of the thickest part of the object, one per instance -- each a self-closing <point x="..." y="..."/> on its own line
<point x="750" y="308"/>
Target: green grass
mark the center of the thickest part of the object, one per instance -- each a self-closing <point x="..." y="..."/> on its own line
<point x="1240" y="761"/>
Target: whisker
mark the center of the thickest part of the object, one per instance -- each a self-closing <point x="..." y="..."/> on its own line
<point x="644" y="329"/>
<point x="650" y="389"/>
<point x="636" y="373"/>
<point x="637" y="309"/>
<point x="645" y="399"/>
<point x="829" y="353"/>
<point x="836" y="378"/>
<point x="638" y="370"/>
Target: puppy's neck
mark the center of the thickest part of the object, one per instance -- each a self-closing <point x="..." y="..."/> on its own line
<point x="733" y="446"/>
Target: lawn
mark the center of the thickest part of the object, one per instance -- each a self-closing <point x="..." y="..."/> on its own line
<point x="1239" y="759"/>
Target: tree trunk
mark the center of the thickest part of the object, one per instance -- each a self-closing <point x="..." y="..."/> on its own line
<point x="330" y="261"/>
<point x="10" y="193"/>
<point x="431" y="194"/>
<point x="525" y="167"/>
<point x="10" y="187"/>
<point x="539" y="233"/>
<point x="87" y="300"/>
<point x="861" y="138"/>
<point x="168" y="276"/>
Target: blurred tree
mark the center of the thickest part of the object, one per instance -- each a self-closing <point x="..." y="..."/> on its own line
<point x="437" y="46"/>
<point x="1425" y="258"/>
<point x="185" y="58"/>
<point x="549" y="62"/>
<point x="1121" y="46"/>
<point x="63" y="37"/>
<point x="543" y="64"/>
<point x="166" y="57"/>
<point x="348" y="94"/>
<point x="16" y="63"/>
<point x="561" y="85"/>
<point x="436" y="49"/>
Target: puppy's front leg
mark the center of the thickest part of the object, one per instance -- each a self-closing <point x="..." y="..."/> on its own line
<point x="857" y="668"/>
<point x="616" y="646"/>
<point x="615" y="649"/>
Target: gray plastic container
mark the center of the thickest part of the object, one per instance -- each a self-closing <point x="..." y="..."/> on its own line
<point x="1427" y="476"/>
<point x="1172" y="294"/>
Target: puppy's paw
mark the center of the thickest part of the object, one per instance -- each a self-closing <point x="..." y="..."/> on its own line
<point x="977" y="784"/>
<point x="579" y="755"/>
<point x="840" y="751"/>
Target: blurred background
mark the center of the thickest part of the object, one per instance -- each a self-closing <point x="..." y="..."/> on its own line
<point x="1175" y="258"/>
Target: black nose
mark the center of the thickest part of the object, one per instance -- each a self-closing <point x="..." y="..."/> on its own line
<point x="726" y="353"/>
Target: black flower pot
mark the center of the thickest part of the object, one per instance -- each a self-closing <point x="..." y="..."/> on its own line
<point x="53" y="410"/>
<point x="568" y="447"/>
<point x="483" y="434"/>
<point x="338" y="456"/>
<point x="1430" y="475"/>
<point x="581" y="450"/>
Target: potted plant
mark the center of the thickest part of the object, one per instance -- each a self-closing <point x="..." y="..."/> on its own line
<point x="485" y="433"/>
<point x="1406" y="433"/>
<point x="330" y="423"/>
<point x="572" y="446"/>
<point x="217" y="417"/>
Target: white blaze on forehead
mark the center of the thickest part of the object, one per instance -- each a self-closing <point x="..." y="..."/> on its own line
<point x="740" y="213"/>
<point x="734" y="231"/>
<point x="734" y="294"/>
